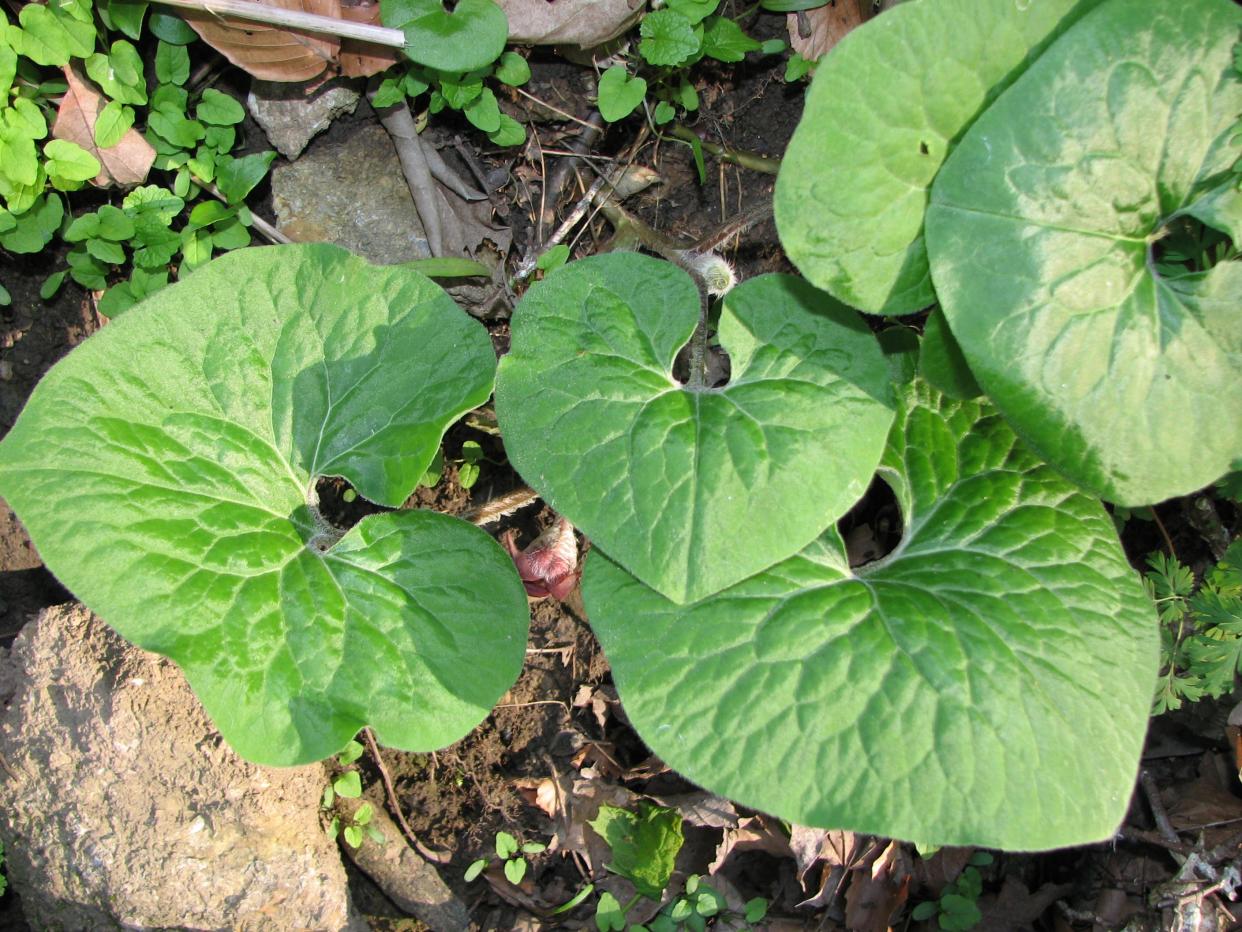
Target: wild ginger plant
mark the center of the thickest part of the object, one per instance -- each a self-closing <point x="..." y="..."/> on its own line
<point x="167" y="470"/>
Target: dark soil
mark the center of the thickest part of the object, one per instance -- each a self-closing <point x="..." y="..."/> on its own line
<point x="560" y="718"/>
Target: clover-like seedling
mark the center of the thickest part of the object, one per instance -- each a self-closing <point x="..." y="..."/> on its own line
<point x="510" y="852"/>
<point x="167" y="470"/>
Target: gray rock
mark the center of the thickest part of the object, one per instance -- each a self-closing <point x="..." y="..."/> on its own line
<point x="292" y="116"/>
<point x="348" y="189"/>
<point x="124" y="807"/>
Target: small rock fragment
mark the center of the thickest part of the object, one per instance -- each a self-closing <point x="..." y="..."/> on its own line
<point x="292" y="114"/>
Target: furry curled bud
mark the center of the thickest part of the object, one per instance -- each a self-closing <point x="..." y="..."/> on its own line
<point x="714" y="272"/>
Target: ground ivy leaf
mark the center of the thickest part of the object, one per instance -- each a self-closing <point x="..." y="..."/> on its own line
<point x="668" y="38"/>
<point x="1040" y="232"/>
<point x="691" y="490"/>
<point x="724" y="40"/>
<point x="987" y="683"/>
<point x="619" y="94"/>
<point x="884" y="110"/>
<point x="164" y="466"/>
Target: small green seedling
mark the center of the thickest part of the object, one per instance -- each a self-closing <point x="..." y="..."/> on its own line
<point x="673" y="40"/>
<point x="348" y="785"/>
<point x="702" y="902"/>
<point x="956" y="909"/>
<point x="510" y="852"/>
<point x="469" y="467"/>
<point x="471" y="457"/>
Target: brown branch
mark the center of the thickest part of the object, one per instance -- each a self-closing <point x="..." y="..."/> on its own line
<point x="295" y="20"/>
<point x="395" y="806"/>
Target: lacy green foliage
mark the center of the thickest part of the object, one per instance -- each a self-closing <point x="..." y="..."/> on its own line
<point x="166" y="471"/>
<point x="1060" y="143"/>
<point x="1201" y="631"/>
<point x="855" y="178"/>
<point x="908" y="697"/>
<point x="690" y="488"/>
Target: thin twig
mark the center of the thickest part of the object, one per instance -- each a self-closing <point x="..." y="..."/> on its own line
<point x="580" y="146"/>
<point x="395" y="806"/>
<point x="295" y="19"/>
<point x="1152" y="792"/>
<point x="269" y="232"/>
<point x="557" y="110"/>
<point x="1164" y="533"/>
<point x="399" y="123"/>
<point x="1152" y="838"/>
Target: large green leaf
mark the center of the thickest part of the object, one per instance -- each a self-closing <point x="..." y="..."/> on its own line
<point x="164" y="470"/>
<point x="471" y="35"/>
<point x="886" y="107"/>
<point x="691" y="489"/>
<point x="987" y="683"/>
<point x="1041" y="230"/>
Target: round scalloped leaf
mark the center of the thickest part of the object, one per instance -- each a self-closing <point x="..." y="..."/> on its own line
<point x="691" y="490"/>
<point x="886" y="107"/>
<point x="987" y="683"/>
<point x="1041" y="230"/>
<point x="471" y="35"/>
<point x="163" y="470"/>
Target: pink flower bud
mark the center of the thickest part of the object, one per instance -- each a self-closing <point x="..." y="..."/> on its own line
<point x="548" y="565"/>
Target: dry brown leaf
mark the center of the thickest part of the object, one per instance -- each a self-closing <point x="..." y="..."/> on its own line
<point x="758" y="833"/>
<point x="570" y="802"/>
<point x="127" y="162"/>
<point x="363" y="59"/>
<point x="941" y="869"/>
<point x="1205" y="807"/>
<point x="700" y="808"/>
<point x="806" y="844"/>
<point x="584" y="23"/>
<point x="271" y="52"/>
<point x="823" y="27"/>
<point x="1016" y="907"/>
<point x="875" y="895"/>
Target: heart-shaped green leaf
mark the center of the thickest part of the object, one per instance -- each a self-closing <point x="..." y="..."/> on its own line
<point x="886" y="107"/>
<point x="619" y="94"/>
<point x="691" y="490"/>
<point x="987" y="683"/>
<point x="164" y="469"/>
<point x="471" y="36"/>
<point x="1041" y="232"/>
